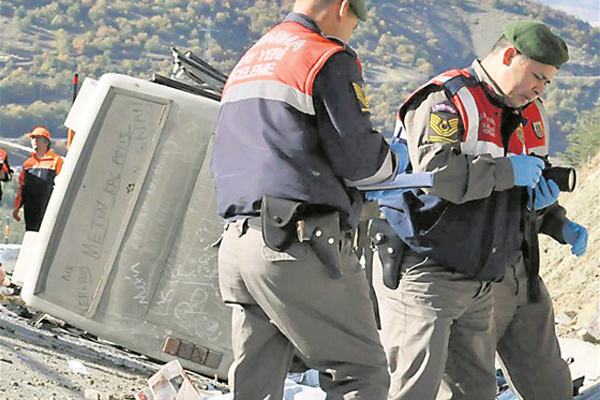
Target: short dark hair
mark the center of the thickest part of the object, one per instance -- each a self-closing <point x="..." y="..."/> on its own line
<point x="501" y="44"/>
<point x="325" y="3"/>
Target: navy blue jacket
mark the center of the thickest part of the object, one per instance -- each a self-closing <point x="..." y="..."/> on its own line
<point x="294" y="123"/>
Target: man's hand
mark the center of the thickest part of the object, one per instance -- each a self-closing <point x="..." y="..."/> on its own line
<point x="527" y="170"/>
<point x="577" y="236"/>
<point x="546" y="194"/>
<point x="16" y="214"/>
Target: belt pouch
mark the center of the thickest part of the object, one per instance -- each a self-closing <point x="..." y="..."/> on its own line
<point x="278" y="217"/>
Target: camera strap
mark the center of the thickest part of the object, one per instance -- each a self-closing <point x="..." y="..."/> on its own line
<point x="531" y="252"/>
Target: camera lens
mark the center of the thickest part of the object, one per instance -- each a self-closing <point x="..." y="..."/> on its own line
<point x="565" y="177"/>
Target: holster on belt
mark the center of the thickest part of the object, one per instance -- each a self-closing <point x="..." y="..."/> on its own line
<point x="390" y="249"/>
<point x="277" y="220"/>
<point x="323" y="232"/>
<point x="284" y="221"/>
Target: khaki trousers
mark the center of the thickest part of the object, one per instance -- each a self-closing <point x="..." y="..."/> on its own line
<point x="436" y="328"/>
<point x="283" y="303"/>
<point x="527" y="343"/>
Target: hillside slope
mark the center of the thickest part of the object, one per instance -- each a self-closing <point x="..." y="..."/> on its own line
<point x="404" y="42"/>
<point x="574" y="282"/>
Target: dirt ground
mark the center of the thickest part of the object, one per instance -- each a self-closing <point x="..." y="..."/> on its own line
<point x="574" y="282"/>
<point x="34" y="363"/>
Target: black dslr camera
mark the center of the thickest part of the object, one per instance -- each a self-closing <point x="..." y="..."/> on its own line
<point x="564" y="177"/>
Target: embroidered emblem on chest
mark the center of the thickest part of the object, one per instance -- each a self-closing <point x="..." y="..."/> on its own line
<point x="488" y="126"/>
<point x="538" y="129"/>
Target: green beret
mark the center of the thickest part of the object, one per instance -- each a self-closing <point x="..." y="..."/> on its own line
<point x="535" y="40"/>
<point x="359" y="8"/>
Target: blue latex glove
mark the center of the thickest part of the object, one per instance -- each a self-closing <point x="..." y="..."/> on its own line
<point x="577" y="236"/>
<point x="527" y="170"/>
<point x="375" y="195"/>
<point x="399" y="147"/>
<point x="546" y="194"/>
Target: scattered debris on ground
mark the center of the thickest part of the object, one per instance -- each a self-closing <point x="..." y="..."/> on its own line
<point x="44" y="358"/>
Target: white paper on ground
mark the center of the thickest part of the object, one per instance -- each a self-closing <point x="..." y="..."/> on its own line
<point x="586" y="358"/>
<point x="77" y="367"/>
<point x="172" y="383"/>
<point x="292" y="391"/>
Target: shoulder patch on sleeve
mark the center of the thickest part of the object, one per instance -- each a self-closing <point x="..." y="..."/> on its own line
<point x="443" y="127"/>
<point x="365" y="106"/>
<point x="444" y="107"/>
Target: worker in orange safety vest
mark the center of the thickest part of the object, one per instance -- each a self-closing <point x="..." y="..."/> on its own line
<point x="5" y="170"/>
<point x="36" y="180"/>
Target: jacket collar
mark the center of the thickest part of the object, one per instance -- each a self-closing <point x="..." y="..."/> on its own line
<point x="48" y="156"/>
<point x="303" y="20"/>
<point x="309" y="23"/>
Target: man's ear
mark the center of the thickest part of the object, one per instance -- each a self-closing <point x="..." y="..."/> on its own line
<point x="509" y="55"/>
<point x="343" y="8"/>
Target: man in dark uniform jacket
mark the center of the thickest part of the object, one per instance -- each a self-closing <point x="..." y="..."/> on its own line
<point x="476" y="129"/>
<point x="293" y="142"/>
